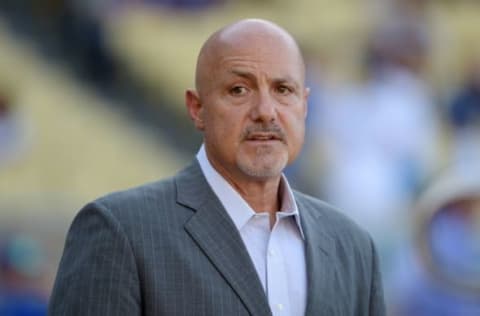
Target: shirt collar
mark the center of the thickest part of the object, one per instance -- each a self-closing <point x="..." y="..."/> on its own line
<point x="236" y="207"/>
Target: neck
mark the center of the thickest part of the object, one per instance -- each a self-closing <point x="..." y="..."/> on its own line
<point x="261" y="194"/>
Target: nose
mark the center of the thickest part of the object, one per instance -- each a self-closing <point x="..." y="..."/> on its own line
<point x="264" y="108"/>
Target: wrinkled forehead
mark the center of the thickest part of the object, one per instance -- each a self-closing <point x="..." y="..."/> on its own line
<point x="261" y="40"/>
<point x="257" y="43"/>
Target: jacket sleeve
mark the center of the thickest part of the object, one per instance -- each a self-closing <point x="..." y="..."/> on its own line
<point x="97" y="274"/>
<point x="377" y="301"/>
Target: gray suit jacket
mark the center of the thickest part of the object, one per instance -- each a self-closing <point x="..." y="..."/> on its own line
<point x="169" y="248"/>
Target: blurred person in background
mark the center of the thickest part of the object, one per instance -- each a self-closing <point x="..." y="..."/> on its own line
<point x="13" y="131"/>
<point x="437" y="272"/>
<point x="21" y="269"/>
<point x="379" y="138"/>
<point x="464" y="118"/>
<point x="227" y="235"/>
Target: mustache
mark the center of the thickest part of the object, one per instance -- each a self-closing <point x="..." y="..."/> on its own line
<point x="272" y="129"/>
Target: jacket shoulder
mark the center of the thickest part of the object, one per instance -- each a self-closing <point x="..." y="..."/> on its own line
<point x="336" y="223"/>
<point x="140" y="195"/>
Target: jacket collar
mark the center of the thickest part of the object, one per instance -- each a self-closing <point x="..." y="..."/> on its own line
<point x="321" y="254"/>
<point x="215" y="233"/>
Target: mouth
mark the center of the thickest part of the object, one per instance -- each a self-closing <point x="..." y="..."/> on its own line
<point x="264" y="137"/>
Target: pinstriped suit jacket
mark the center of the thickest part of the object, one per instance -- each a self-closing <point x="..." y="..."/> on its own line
<point x="169" y="248"/>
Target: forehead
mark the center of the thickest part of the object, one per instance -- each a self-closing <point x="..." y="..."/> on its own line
<point x="254" y="46"/>
<point x="257" y="53"/>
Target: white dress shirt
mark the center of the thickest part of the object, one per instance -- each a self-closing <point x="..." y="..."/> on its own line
<point x="278" y="253"/>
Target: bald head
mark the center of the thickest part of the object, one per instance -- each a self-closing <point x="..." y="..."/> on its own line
<point x="263" y="37"/>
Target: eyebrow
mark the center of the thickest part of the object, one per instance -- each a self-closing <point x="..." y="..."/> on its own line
<point x="243" y="74"/>
<point x="250" y="76"/>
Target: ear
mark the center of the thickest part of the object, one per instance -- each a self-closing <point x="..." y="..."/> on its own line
<point x="306" y="93"/>
<point x="195" y="108"/>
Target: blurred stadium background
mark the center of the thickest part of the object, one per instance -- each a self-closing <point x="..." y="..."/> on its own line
<point x="91" y="101"/>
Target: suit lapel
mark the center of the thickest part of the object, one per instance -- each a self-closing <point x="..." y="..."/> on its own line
<point x="320" y="254"/>
<point x="214" y="232"/>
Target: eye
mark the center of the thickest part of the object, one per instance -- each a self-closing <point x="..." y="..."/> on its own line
<point x="284" y="90"/>
<point x="238" y="90"/>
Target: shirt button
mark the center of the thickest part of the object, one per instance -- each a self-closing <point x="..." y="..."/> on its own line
<point x="271" y="253"/>
<point x="280" y="307"/>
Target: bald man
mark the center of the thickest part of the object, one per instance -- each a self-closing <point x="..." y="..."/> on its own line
<point x="226" y="235"/>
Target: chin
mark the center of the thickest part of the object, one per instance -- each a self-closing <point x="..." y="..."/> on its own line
<point x="263" y="167"/>
<point x="264" y="173"/>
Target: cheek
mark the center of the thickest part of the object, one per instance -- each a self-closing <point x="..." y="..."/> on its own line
<point x="298" y="136"/>
<point x="224" y="126"/>
<point x="294" y="120"/>
<point x="296" y="139"/>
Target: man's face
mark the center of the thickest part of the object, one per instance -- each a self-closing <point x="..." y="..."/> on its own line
<point x="253" y="108"/>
